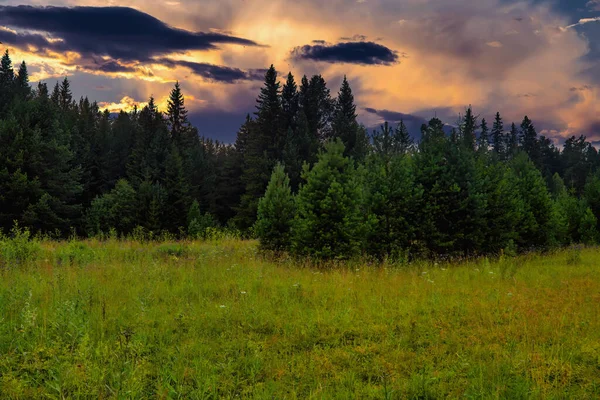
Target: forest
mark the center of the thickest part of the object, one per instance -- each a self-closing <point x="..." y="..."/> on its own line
<point x="303" y="176"/>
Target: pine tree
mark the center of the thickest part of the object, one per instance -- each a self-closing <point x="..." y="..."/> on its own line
<point x="177" y="190"/>
<point x="330" y="222"/>
<point x="319" y="107"/>
<point x="289" y="103"/>
<point x="345" y="126"/>
<point x="452" y="206"/>
<point x="7" y="77"/>
<point x="483" y="143"/>
<point x="404" y="142"/>
<point x="529" y="141"/>
<point x="276" y="210"/>
<point x="262" y="148"/>
<point x="536" y="227"/>
<point x="7" y="74"/>
<point x="513" y="141"/>
<point x="65" y="95"/>
<point x="468" y="127"/>
<point x="55" y="96"/>
<point x="22" y="82"/>
<point x="393" y="199"/>
<point x="181" y="131"/>
<point x="498" y="140"/>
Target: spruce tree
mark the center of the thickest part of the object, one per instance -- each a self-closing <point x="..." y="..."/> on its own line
<point x="65" y="95"/>
<point x="498" y="139"/>
<point x="289" y="103"/>
<point x="262" y="148"/>
<point x="468" y="128"/>
<point x="512" y="141"/>
<point x="483" y="142"/>
<point x="276" y="210"/>
<point x="393" y="198"/>
<point x="22" y="82"/>
<point x="529" y="141"/>
<point x="345" y="125"/>
<point x="404" y="142"/>
<point x="536" y="229"/>
<point x="330" y="222"/>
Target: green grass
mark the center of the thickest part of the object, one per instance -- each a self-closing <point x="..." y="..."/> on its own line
<point x="121" y="319"/>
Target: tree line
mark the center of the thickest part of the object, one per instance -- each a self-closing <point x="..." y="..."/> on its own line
<point x="303" y="175"/>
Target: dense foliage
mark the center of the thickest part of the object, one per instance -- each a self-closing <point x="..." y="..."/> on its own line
<point x="336" y="192"/>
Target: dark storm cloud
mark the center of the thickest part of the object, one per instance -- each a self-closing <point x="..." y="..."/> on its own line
<point x="394" y="116"/>
<point x="365" y="53"/>
<point x="129" y="37"/>
<point x="119" y="32"/>
<point x="217" y="73"/>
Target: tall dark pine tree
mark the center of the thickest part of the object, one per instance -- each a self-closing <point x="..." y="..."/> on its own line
<point x="180" y="128"/>
<point x="403" y="139"/>
<point x="289" y="102"/>
<point x="469" y="125"/>
<point x="529" y="141"/>
<point x="65" y="98"/>
<point x="22" y="82"/>
<point x="483" y="142"/>
<point x="512" y="141"/>
<point x="7" y="77"/>
<point x="315" y="99"/>
<point x="498" y="140"/>
<point x="345" y="126"/>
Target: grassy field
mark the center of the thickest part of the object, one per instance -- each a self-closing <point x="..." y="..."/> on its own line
<point x="120" y="319"/>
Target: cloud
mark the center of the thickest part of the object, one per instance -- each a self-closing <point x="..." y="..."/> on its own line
<point x="118" y="32"/>
<point x="114" y="40"/>
<point x="217" y="73"/>
<point x="363" y="53"/>
<point x="582" y="21"/>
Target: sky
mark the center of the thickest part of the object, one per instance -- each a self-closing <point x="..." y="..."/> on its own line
<point x="409" y="59"/>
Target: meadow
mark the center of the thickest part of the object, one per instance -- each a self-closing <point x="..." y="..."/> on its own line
<point x="215" y="319"/>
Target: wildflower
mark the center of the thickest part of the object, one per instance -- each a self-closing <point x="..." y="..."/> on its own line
<point x="243" y="292"/>
<point x="222" y="306"/>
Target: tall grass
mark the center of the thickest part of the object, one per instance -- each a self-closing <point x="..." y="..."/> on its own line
<point x="204" y="320"/>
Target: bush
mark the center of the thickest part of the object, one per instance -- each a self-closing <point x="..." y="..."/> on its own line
<point x="19" y="247"/>
<point x="200" y="225"/>
<point x="75" y="253"/>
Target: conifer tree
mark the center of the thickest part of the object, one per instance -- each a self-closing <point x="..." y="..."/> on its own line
<point x="512" y="141"/>
<point x="483" y="142"/>
<point x="7" y="77"/>
<point x="177" y="190"/>
<point x="276" y="210"/>
<point x="329" y="222"/>
<point x="289" y="103"/>
<point x="404" y="142"/>
<point x="345" y="126"/>
<point x="529" y="141"/>
<point x="498" y="139"/>
<point x="468" y="128"/>
<point x="22" y="82"/>
<point x="262" y="148"/>
<point x="65" y="95"/>
<point x="536" y="227"/>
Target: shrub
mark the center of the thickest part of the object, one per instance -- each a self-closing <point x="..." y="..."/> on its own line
<point x="19" y="247"/>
